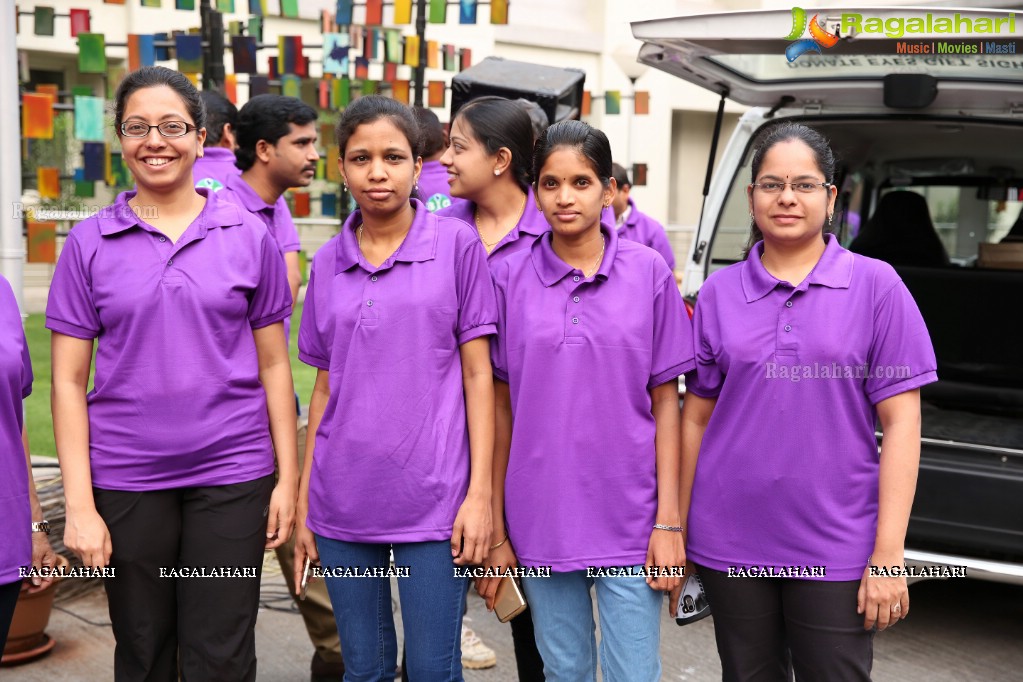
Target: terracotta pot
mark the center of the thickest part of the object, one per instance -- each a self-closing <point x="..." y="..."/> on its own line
<point x="27" y="638"/>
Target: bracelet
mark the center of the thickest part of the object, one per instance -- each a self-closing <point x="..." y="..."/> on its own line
<point x="673" y="529"/>
<point x="500" y="543"/>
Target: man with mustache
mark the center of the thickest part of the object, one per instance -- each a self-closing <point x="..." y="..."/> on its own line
<point x="276" y="149"/>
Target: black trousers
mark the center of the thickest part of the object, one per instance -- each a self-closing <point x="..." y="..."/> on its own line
<point x="163" y="620"/>
<point x="8" y="600"/>
<point x="765" y="625"/>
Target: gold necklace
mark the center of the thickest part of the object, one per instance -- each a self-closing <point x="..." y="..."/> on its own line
<point x="479" y="231"/>
<point x="600" y="257"/>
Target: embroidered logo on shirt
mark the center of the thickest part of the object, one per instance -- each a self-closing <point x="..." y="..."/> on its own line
<point x="437" y="202"/>
<point x="209" y="183"/>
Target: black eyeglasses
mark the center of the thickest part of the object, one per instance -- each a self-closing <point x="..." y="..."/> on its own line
<point x="772" y="187"/>
<point x="166" y="128"/>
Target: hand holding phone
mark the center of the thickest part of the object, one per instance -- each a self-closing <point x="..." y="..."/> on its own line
<point x="305" y="579"/>
<point x="692" y="602"/>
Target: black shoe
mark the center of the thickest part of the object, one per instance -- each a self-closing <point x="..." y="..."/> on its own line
<point x="325" y="671"/>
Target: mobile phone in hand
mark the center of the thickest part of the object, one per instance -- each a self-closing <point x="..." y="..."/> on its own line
<point x="692" y="603"/>
<point x="305" y="579"/>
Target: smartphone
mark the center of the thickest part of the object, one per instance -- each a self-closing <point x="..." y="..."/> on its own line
<point x="509" y="601"/>
<point x="692" y="603"/>
<point x="305" y="579"/>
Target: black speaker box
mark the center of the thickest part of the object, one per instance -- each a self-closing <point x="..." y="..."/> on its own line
<point x="559" y="92"/>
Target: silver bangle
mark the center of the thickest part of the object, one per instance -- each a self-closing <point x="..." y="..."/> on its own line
<point x="673" y="529"/>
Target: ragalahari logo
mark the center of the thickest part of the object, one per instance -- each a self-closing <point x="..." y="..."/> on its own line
<point x="818" y="36"/>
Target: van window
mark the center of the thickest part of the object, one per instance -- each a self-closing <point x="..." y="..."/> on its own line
<point x="964" y="216"/>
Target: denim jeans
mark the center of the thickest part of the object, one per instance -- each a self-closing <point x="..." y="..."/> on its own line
<point x="630" y="627"/>
<point x="432" y="601"/>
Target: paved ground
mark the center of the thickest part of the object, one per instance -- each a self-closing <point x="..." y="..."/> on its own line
<point x="958" y="631"/>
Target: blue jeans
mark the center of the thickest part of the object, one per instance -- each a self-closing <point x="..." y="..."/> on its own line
<point x="432" y="602"/>
<point x="630" y="627"/>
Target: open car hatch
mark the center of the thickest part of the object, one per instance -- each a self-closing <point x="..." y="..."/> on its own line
<point x="964" y="61"/>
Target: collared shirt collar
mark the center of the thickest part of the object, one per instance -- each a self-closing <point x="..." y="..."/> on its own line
<point x="250" y="199"/>
<point x="532" y="221"/>
<point x="833" y="270"/>
<point x="120" y="217"/>
<point x="420" y="243"/>
<point x="623" y="220"/>
<point x="552" y="269"/>
<point x="218" y="154"/>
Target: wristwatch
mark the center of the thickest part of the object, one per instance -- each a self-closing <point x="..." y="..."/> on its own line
<point x="41" y="527"/>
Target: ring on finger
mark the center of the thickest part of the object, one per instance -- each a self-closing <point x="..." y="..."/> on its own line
<point x="897" y="607"/>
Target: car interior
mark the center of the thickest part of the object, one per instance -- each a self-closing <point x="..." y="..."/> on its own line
<point x="941" y="200"/>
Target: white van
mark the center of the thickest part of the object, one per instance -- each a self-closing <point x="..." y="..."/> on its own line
<point x="912" y="105"/>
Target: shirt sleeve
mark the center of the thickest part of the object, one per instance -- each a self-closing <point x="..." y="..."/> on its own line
<point x="271" y="300"/>
<point x="901" y="355"/>
<point x="312" y="348"/>
<point x="707" y="378"/>
<point x="285" y="231"/>
<point x="672" y="352"/>
<point x="70" y="307"/>
<point x="477" y="306"/>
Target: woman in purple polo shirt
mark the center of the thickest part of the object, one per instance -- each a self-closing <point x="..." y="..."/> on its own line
<point x="593" y="334"/>
<point x="25" y="545"/>
<point x="800" y="349"/>
<point x="397" y="317"/>
<point x="168" y="461"/>
<point x="489" y="163"/>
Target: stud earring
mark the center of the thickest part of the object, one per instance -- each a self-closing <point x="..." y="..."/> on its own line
<point x="497" y="172"/>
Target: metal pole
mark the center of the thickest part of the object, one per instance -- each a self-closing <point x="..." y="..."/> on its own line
<point x="213" y="46"/>
<point x="12" y="245"/>
<point x="420" y="71"/>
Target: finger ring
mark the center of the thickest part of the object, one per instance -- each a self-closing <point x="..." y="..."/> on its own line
<point x="896" y="608"/>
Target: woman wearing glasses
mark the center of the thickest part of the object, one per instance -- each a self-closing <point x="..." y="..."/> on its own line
<point x="168" y="462"/>
<point x="800" y="349"/>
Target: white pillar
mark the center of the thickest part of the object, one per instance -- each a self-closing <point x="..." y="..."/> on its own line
<point x="12" y="245"/>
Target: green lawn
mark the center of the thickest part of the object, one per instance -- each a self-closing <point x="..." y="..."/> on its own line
<point x="37" y="407"/>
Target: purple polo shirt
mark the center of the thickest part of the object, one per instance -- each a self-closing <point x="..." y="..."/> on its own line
<point x="434" y="190"/>
<point x="15" y="386"/>
<point x="639" y="227"/>
<point x="531" y="225"/>
<point x="277" y="218"/>
<point x="580" y="357"/>
<point x="177" y="399"/>
<point x="393" y="437"/>
<point x="788" y="469"/>
<point x="213" y="168"/>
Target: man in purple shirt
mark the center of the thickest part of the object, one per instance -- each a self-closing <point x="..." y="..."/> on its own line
<point x="275" y="142"/>
<point x="634" y="225"/>
<point x="276" y="138"/>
